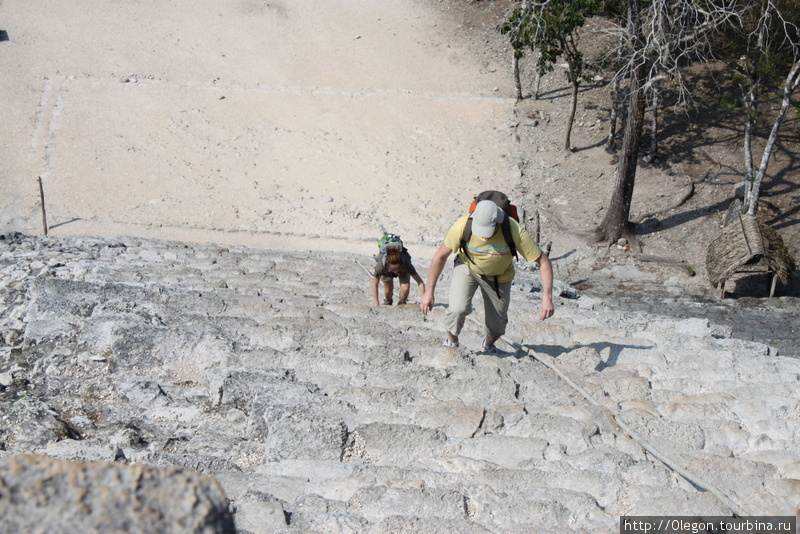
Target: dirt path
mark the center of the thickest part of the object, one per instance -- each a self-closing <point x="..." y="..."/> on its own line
<point x="301" y="124"/>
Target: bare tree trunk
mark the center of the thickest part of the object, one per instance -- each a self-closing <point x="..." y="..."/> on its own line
<point x="571" y="116"/>
<point x="615" y="224"/>
<point x="515" y="70"/>
<point x="751" y="107"/>
<point x="792" y="81"/>
<point x="655" y="102"/>
<point x="611" y="140"/>
<point x="537" y="80"/>
<point x="751" y="104"/>
<point x="44" y="206"/>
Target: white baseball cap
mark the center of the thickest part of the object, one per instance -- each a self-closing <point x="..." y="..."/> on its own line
<point x="485" y="218"/>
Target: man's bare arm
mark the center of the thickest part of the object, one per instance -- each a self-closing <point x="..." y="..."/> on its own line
<point x="437" y="266"/>
<point x="546" y="273"/>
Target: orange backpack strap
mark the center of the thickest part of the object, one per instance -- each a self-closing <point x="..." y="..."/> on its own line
<point x="499" y="198"/>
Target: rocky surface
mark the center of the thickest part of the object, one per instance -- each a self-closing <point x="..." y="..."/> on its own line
<point x="621" y="280"/>
<point x="39" y="494"/>
<point x="269" y="372"/>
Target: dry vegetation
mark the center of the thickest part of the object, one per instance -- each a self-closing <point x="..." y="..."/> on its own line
<point x="699" y="164"/>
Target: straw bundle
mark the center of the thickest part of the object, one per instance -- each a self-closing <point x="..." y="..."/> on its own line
<point x="747" y="242"/>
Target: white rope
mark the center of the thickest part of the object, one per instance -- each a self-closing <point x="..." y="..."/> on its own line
<point x="692" y="478"/>
<point x="368" y="273"/>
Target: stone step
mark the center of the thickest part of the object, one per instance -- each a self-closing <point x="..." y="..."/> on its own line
<point x="348" y="417"/>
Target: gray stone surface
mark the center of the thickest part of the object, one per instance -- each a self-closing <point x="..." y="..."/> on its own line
<point x="39" y="494"/>
<point x="315" y="412"/>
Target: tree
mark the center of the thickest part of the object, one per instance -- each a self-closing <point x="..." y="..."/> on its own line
<point x="770" y="45"/>
<point x="552" y="27"/>
<point x="562" y="20"/>
<point x="656" y="41"/>
<point x="615" y="223"/>
<point x="518" y="27"/>
<point x="753" y="188"/>
<point x="558" y="36"/>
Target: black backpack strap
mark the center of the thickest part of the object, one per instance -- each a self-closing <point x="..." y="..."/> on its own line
<point x="506" y="227"/>
<point x="496" y="285"/>
<point x="465" y="238"/>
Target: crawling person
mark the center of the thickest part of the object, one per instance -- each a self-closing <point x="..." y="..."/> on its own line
<point x="394" y="263"/>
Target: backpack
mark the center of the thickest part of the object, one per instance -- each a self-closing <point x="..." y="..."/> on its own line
<point x="389" y="241"/>
<point x="386" y="241"/>
<point x="498" y="198"/>
<point x="504" y="204"/>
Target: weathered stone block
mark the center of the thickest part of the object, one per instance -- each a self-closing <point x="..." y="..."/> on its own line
<point x="299" y="433"/>
<point x="43" y="495"/>
<point x="504" y="451"/>
<point x="454" y="418"/>
<point x="400" y="445"/>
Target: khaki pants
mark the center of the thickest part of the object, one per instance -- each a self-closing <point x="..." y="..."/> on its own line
<point x="462" y="289"/>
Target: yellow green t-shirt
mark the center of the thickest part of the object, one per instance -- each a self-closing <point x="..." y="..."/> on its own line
<point x="492" y="257"/>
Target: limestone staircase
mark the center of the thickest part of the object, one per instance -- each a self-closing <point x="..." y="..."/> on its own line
<point x="270" y="372"/>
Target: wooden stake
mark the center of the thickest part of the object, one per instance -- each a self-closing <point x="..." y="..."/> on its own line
<point x="44" y="210"/>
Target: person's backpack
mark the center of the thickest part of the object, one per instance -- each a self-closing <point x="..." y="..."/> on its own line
<point x="502" y="201"/>
<point x="388" y="240"/>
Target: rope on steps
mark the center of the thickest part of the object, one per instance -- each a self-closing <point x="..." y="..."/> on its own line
<point x="692" y="478"/>
<point x="367" y="270"/>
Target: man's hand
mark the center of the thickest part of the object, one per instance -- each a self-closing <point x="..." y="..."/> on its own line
<point x="437" y="266"/>
<point x="546" y="273"/>
<point x="427" y="302"/>
<point x="546" y="309"/>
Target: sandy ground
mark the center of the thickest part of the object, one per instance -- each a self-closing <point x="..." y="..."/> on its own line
<point x="302" y="125"/>
<point x="308" y="124"/>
